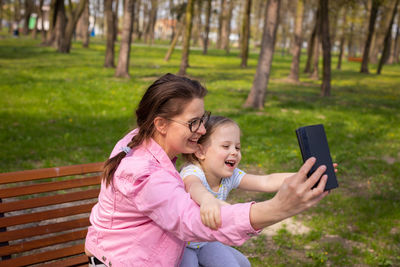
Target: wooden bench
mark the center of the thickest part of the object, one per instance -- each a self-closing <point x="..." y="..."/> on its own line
<point x="44" y="215"/>
<point x="354" y="59"/>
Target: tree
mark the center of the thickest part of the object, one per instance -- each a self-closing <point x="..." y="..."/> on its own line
<point x="298" y="39"/>
<point x="207" y="27"/>
<point x="380" y="31"/>
<point x="256" y="97"/>
<point x="110" y="40"/>
<point x="83" y="26"/>
<point x="220" y="23"/>
<point x="245" y="34"/>
<point x="126" y="39"/>
<point x="226" y="25"/>
<point x="342" y="38"/>
<point x="29" y="7"/>
<point x="180" y="17"/>
<point x="67" y="24"/>
<point x="1" y="14"/>
<point x="311" y="44"/>
<point x="371" y="27"/>
<point x="186" y="38"/>
<point x="326" y="48"/>
<point x="386" y="43"/>
<point x="198" y="22"/>
<point x="396" y="47"/>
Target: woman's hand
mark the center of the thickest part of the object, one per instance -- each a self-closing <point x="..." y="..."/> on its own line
<point x="295" y="195"/>
<point x="210" y="212"/>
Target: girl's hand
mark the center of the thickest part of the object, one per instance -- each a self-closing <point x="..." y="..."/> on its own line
<point x="334" y="167"/>
<point x="210" y="212"/>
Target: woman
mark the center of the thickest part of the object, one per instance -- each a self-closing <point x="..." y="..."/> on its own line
<point x="144" y="217"/>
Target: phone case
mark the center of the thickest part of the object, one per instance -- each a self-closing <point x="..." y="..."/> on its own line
<point x="313" y="143"/>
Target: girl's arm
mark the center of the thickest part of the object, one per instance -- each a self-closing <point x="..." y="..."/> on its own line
<point x="209" y="205"/>
<point x="263" y="183"/>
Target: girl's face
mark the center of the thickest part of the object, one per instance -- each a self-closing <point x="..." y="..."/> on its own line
<point x="221" y="153"/>
<point x="178" y="137"/>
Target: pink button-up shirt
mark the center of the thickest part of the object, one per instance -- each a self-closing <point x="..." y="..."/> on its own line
<point x="145" y="217"/>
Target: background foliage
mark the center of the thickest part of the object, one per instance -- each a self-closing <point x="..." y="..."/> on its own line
<point x="58" y="109"/>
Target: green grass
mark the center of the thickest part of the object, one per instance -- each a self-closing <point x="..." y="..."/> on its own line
<point x="58" y="109"/>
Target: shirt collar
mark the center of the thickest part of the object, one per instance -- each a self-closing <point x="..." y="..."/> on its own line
<point x="159" y="154"/>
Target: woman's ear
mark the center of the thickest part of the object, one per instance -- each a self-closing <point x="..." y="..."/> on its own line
<point x="200" y="153"/>
<point x="161" y="125"/>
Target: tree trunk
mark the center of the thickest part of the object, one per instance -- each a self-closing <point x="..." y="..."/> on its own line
<point x="73" y="16"/>
<point x="226" y="30"/>
<point x="51" y="35"/>
<point x="314" y="72"/>
<point x="60" y="23"/>
<point x="386" y="43"/>
<point x="326" y="48"/>
<point x="207" y="27"/>
<point x="245" y="36"/>
<point x="342" y="39"/>
<point x="256" y="97"/>
<point x="198" y="24"/>
<point x="136" y="22"/>
<point x="311" y="44"/>
<point x="110" y="41"/>
<point x="152" y="21"/>
<point x="220" y="23"/>
<point x="396" y="48"/>
<point x="29" y="5"/>
<point x="1" y="15"/>
<point x="186" y="38"/>
<point x="85" y="26"/>
<point x="317" y="43"/>
<point x="371" y="27"/>
<point x="37" y="11"/>
<point x="126" y="39"/>
<point x="298" y="39"/>
<point x="42" y="21"/>
<point x="178" y="33"/>
<point x="380" y="32"/>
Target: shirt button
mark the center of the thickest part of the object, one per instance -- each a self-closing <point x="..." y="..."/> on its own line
<point x="109" y="264"/>
<point x="104" y="258"/>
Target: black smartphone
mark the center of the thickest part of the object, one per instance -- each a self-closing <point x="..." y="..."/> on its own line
<point x="313" y="143"/>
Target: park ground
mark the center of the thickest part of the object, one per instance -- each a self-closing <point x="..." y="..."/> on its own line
<point x="62" y="109"/>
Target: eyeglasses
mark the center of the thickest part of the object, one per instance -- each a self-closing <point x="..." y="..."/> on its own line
<point x="194" y="125"/>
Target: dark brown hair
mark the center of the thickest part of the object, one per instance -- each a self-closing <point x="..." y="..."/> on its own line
<point x="166" y="97"/>
<point x="211" y="125"/>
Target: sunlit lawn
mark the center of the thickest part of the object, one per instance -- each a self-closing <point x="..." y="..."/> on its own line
<point x="58" y="109"/>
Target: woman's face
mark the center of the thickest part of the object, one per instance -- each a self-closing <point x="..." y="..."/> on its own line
<point x="179" y="139"/>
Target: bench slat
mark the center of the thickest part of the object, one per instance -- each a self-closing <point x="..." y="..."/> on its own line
<point x="41" y="243"/>
<point x="30" y="175"/>
<point x="44" y="256"/>
<point x="43" y="229"/>
<point x="48" y="187"/>
<point x="45" y="215"/>
<point x="48" y="200"/>
<point x="81" y="260"/>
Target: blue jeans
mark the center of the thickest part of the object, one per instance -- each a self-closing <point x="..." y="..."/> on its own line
<point x="214" y="254"/>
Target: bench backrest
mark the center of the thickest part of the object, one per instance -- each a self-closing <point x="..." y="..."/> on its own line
<point x="44" y="215"/>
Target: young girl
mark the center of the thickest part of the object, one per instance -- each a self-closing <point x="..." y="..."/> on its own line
<point x="209" y="177"/>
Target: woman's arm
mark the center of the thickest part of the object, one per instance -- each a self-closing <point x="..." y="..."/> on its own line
<point x="294" y="196"/>
<point x="267" y="183"/>
<point x="263" y="183"/>
<point x="209" y="205"/>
